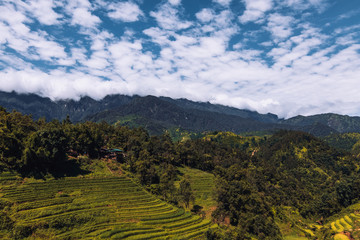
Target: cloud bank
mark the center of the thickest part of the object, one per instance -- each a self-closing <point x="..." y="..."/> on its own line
<point x="262" y="55"/>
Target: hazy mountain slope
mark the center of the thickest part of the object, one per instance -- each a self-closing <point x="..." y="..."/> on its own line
<point x="159" y="113"/>
<point x="29" y="104"/>
<point x="341" y="123"/>
<point x="206" y="106"/>
<point x="171" y="115"/>
<point x="44" y="107"/>
<point x="317" y="129"/>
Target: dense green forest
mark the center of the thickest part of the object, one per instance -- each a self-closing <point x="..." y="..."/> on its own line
<point x="261" y="183"/>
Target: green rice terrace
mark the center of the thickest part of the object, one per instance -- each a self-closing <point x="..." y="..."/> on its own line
<point x="203" y="185"/>
<point x="342" y="226"/>
<point x="346" y="226"/>
<point x="92" y="208"/>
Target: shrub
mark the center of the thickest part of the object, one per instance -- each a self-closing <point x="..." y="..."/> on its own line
<point x="21" y="231"/>
<point x="5" y="221"/>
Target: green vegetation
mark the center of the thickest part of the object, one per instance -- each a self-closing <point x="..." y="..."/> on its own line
<point x="340" y="123"/>
<point x="295" y="238"/>
<point x="345" y="141"/>
<point x="59" y="180"/>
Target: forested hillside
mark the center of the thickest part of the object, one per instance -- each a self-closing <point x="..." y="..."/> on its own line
<point x="341" y="123"/>
<point x="265" y="187"/>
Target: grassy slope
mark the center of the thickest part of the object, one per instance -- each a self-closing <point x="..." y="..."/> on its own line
<point x="202" y="184"/>
<point x="99" y="206"/>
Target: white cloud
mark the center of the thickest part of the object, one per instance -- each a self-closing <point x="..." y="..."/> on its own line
<point x="43" y="10"/>
<point x="167" y="18"/>
<point x="48" y="49"/>
<point x="280" y="26"/>
<point x="81" y="12"/>
<point x="255" y="10"/>
<point x="18" y="36"/>
<point x="57" y="84"/>
<point x="348" y="39"/>
<point x="305" y="71"/>
<point x="125" y="11"/>
<point x="83" y="17"/>
<point x="320" y="5"/>
<point x="223" y="2"/>
<point x="175" y="2"/>
<point x="349" y="14"/>
<point x="205" y="15"/>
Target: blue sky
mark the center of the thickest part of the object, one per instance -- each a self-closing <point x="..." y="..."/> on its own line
<point x="287" y="57"/>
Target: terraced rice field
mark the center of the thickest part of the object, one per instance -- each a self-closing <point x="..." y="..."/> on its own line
<point x="95" y="208"/>
<point x="202" y="184"/>
<point x="345" y="223"/>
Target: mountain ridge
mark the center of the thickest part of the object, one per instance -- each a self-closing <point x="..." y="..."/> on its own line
<point x="160" y="113"/>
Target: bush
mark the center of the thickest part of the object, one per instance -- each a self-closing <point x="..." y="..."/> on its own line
<point x="4" y="203"/>
<point x="5" y="221"/>
<point x="21" y="231"/>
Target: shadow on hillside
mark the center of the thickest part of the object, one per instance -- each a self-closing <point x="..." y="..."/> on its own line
<point x="70" y="168"/>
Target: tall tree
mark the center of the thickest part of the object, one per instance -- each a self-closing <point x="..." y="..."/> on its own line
<point x="14" y="129"/>
<point x="46" y="149"/>
<point x="185" y="192"/>
<point x="239" y="200"/>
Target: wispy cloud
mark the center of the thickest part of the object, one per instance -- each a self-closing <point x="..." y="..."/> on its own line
<point x="81" y="13"/>
<point x="255" y="10"/>
<point x="125" y="11"/>
<point x="205" y="15"/>
<point x="167" y="17"/>
<point x="44" y="11"/>
<point x="223" y="2"/>
<point x="319" y="5"/>
<point x="280" y="26"/>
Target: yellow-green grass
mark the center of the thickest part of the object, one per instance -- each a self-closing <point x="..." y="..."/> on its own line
<point x="348" y="219"/>
<point x="355" y="216"/>
<point x="333" y="227"/>
<point x="340" y="237"/>
<point x="202" y="184"/>
<point x="346" y="225"/>
<point x="339" y="226"/>
<point x="294" y="237"/>
<point x="8" y="176"/>
<point x="95" y="208"/>
<point x="311" y="233"/>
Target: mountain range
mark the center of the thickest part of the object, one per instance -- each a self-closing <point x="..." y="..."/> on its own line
<point x="157" y="114"/>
